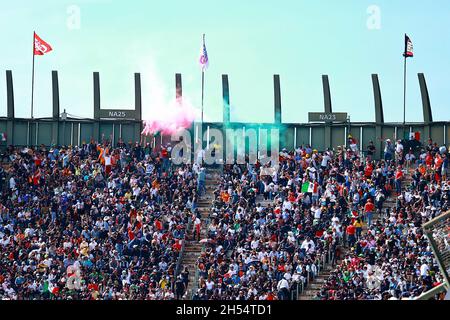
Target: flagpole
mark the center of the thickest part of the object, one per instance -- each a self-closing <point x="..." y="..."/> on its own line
<point x="203" y="91"/>
<point x="404" y="97"/>
<point x="32" y="78"/>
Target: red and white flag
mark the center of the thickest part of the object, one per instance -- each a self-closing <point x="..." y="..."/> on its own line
<point x="40" y="46"/>
<point x="409" y="49"/>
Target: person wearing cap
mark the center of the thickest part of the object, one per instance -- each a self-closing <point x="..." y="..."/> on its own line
<point x="388" y="150"/>
<point x="283" y="289"/>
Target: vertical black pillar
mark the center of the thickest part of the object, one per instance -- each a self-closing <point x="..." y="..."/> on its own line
<point x="226" y="100"/>
<point x="10" y="108"/>
<point x="379" y="114"/>
<point x="277" y="95"/>
<point x="56" y="108"/>
<point x="327" y="94"/>
<point x="55" y="94"/>
<point x="10" y="94"/>
<point x="138" y="106"/>
<point x="328" y="108"/>
<point x="178" y="86"/>
<point x="179" y="96"/>
<point x="426" y="107"/>
<point x="96" y="106"/>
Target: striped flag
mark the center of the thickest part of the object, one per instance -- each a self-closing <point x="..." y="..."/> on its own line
<point x="409" y="49"/>
<point x="204" y="61"/>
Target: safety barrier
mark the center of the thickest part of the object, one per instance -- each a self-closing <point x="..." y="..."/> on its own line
<point x="300" y="286"/>
<point x="181" y="254"/>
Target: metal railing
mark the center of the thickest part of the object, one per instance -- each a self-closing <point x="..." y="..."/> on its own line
<point x="325" y="259"/>
<point x="433" y="292"/>
<point x="183" y="247"/>
<point x="196" y="278"/>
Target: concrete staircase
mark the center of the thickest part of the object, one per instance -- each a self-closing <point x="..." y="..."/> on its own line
<point x="391" y="202"/>
<point x="315" y="285"/>
<point x="193" y="247"/>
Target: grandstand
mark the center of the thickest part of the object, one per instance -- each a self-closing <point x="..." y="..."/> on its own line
<point x="93" y="210"/>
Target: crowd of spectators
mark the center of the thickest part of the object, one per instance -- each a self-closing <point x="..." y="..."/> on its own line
<point x="319" y="203"/>
<point x="393" y="259"/>
<point x="93" y="222"/>
<point x="96" y="222"/>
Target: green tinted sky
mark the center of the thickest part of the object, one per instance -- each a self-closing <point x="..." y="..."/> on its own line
<point x="249" y="40"/>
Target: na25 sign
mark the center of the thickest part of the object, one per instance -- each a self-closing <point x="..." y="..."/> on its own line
<point x="118" y="114"/>
<point x="327" y="117"/>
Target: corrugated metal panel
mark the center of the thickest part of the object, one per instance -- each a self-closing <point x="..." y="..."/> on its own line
<point x="3" y="130"/>
<point x="45" y="134"/>
<point x="288" y="140"/>
<point x="116" y="133"/>
<point x="302" y="136"/>
<point x="437" y="134"/>
<point x="75" y="134"/>
<point x="337" y="136"/>
<point x="388" y="133"/>
<point x="318" y="138"/>
<point x="355" y="131"/>
<point x="106" y="131"/>
<point x="448" y="135"/>
<point x="20" y="133"/>
<point x="369" y="134"/>
<point x="64" y="133"/>
<point x="87" y="132"/>
<point x="128" y="133"/>
<point x="32" y="141"/>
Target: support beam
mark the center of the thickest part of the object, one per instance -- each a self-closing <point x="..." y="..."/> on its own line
<point x="96" y="95"/>
<point x="328" y="108"/>
<point x="277" y="96"/>
<point x="178" y="86"/>
<point x="10" y="94"/>
<point x="379" y="115"/>
<point x="426" y="105"/>
<point x="327" y="94"/>
<point x="137" y="106"/>
<point x="96" y="106"/>
<point x="56" y="108"/>
<point x="10" y="108"/>
<point x="55" y="95"/>
<point x="138" y="96"/>
<point x="226" y="99"/>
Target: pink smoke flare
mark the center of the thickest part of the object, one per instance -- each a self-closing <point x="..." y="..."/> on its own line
<point x="170" y="118"/>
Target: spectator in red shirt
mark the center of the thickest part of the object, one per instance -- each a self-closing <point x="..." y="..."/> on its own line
<point x="369" y="209"/>
<point x="351" y="232"/>
<point x="398" y="179"/>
